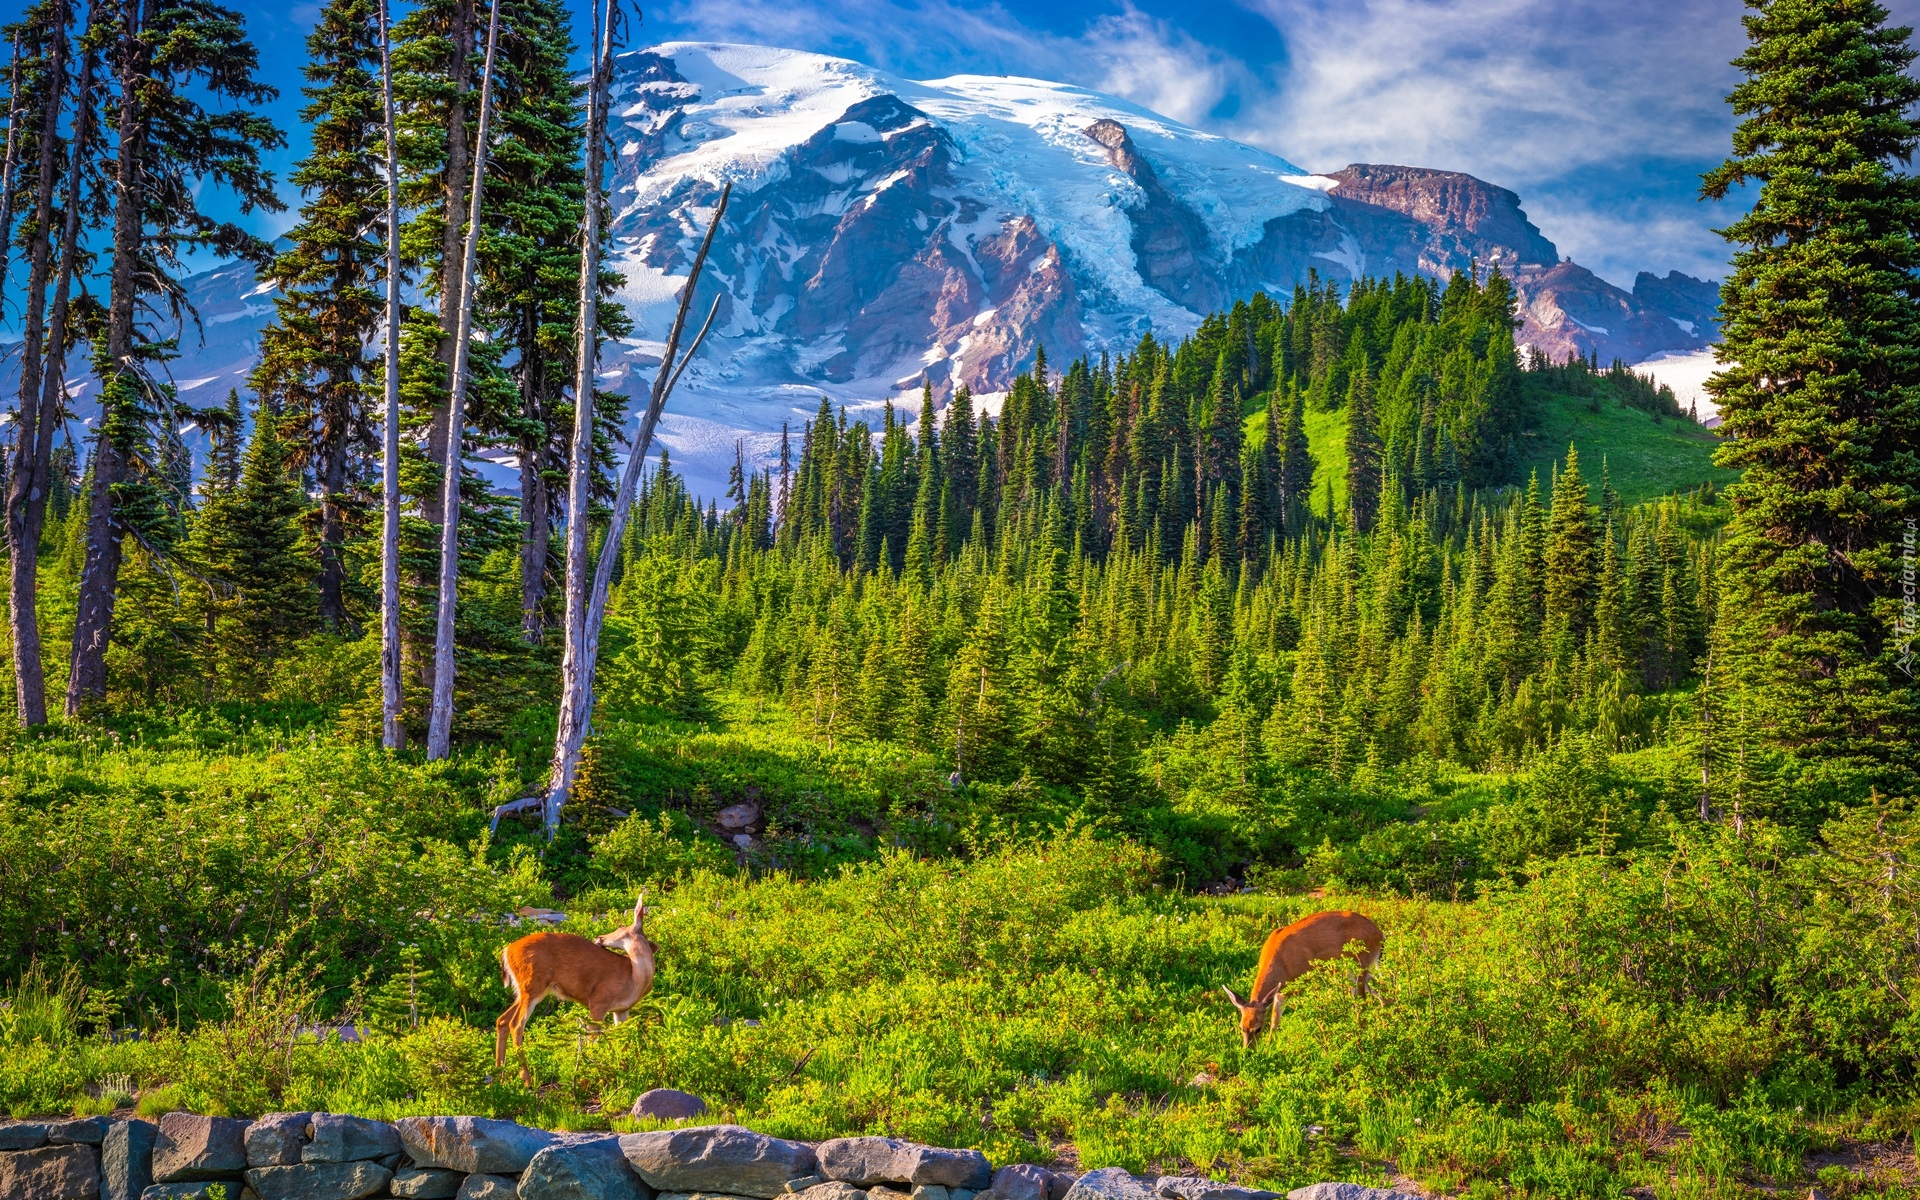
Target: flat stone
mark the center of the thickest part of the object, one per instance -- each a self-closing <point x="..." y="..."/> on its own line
<point x="868" y="1160"/>
<point x="334" y="1138"/>
<point x="929" y="1191"/>
<point x="319" y="1181"/>
<point x="70" y="1172"/>
<point x="801" y="1184"/>
<point x="276" y="1139"/>
<point x="1347" y="1191"/>
<point x="593" y="1169"/>
<point x="474" y="1145"/>
<point x="1110" y="1183"/>
<point x="1190" y="1187"/>
<point x="23" y="1135"/>
<point x="669" y="1104"/>
<point x="881" y="1191"/>
<point x="190" y="1148"/>
<point x="425" y="1183"/>
<point x="699" y="1196"/>
<point x="832" y="1190"/>
<point x="84" y="1131"/>
<point x="126" y="1160"/>
<point x="717" y="1158"/>
<point x="481" y="1186"/>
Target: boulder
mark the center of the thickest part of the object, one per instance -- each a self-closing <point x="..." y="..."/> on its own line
<point x="1190" y="1187"/>
<point x="669" y="1104"/>
<point x="425" y="1183"/>
<point x="1347" y="1191"/>
<point x="929" y="1191"/>
<point x="868" y="1160"/>
<point x="22" y="1135"/>
<point x="699" y="1196"/>
<point x="593" y="1169"/>
<point x="319" y="1181"/>
<point x="481" y="1186"/>
<point x="126" y="1160"/>
<point x="475" y="1145"/>
<point x="333" y="1138"/>
<point x="190" y="1148"/>
<point x="881" y="1191"/>
<point x="85" y="1131"/>
<point x="717" y="1158"/>
<point x="960" y="1194"/>
<point x="803" y="1183"/>
<point x="1024" y="1181"/>
<point x="276" y="1139"/>
<point x="70" y="1172"/>
<point x="1110" y="1183"/>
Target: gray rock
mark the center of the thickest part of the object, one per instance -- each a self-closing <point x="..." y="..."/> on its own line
<point x="881" y="1191"/>
<point x="960" y="1194"/>
<point x="126" y="1160"/>
<point x="669" y="1104"/>
<point x="481" y="1186"/>
<point x="22" y="1135"/>
<point x="1110" y="1183"/>
<point x="85" y="1131"/>
<point x="192" y="1148"/>
<point x="868" y="1160"/>
<point x="1190" y="1187"/>
<point x="1025" y="1181"/>
<point x="474" y="1145"/>
<point x="319" y="1181"/>
<point x="334" y="1138"/>
<point x="70" y="1172"/>
<point x="699" y="1196"/>
<point x="803" y="1183"/>
<point x="929" y="1191"/>
<point x="832" y="1190"/>
<point x="425" y="1183"/>
<point x="201" y="1190"/>
<point x="276" y="1139"/>
<point x="593" y="1169"/>
<point x="1347" y="1191"/>
<point x="717" y="1158"/>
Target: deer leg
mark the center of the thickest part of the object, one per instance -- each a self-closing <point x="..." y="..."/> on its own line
<point x="1279" y="1002"/>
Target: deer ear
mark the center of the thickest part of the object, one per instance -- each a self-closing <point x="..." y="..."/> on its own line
<point x="1238" y="1003"/>
<point x="639" y="910"/>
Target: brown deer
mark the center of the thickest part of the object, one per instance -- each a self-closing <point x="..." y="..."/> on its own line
<point x="585" y="971"/>
<point x="1293" y="951"/>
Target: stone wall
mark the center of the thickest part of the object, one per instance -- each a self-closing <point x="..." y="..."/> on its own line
<point x="326" y="1156"/>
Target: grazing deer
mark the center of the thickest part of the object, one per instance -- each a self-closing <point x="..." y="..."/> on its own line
<point x="1292" y="952"/>
<point x="585" y="971"/>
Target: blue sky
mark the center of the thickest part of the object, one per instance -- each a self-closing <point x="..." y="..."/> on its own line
<point x="1600" y="113"/>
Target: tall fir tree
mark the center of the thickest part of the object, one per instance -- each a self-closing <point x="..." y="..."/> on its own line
<point x="1819" y="388"/>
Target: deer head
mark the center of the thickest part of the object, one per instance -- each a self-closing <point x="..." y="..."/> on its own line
<point x="1249" y="1017"/>
<point x="630" y="939"/>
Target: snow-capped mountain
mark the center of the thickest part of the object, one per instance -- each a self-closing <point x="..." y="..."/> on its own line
<point x="883" y="231"/>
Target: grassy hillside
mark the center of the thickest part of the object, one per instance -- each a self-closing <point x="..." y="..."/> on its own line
<point x="1644" y="458"/>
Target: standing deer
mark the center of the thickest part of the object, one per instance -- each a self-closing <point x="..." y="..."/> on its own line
<point x="585" y="971"/>
<point x="1293" y="951"/>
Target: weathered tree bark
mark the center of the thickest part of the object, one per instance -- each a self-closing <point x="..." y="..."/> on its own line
<point x="6" y="165"/>
<point x="579" y="665"/>
<point x="580" y="453"/>
<point x="33" y="456"/>
<point x="536" y="515"/>
<point x="100" y="574"/>
<point x="440" y="717"/>
<point x="393" y="733"/>
<point x="455" y="185"/>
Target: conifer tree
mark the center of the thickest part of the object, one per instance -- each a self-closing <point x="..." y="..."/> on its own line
<point x="167" y="59"/>
<point x="1569" y="583"/>
<point x="1363" y="452"/>
<point x="1819" y="389"/>
<point x="314" y="370"/>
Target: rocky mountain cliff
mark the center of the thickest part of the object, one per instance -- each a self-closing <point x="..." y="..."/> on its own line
<point x="883" y="230"/>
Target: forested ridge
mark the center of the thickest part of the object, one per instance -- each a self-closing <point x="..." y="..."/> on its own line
<point x="966" y="748"/>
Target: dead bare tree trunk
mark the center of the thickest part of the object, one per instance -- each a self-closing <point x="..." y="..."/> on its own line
<point x="6" y="166"/>
<point x="440" y="718"/>
<point x="576" y="708"/>
<point x="393" y="732"/>
<point x="580" y="456"/>
<point x="27" y="487"/>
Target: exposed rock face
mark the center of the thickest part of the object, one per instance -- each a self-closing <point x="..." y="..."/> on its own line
<point x="1466" y="219"/>
<point x="126" y="1160"/>
<point x="591" y="1169"/>
<point x="1568" y="310"/>
<point x="1693" y="304"/>
<point x="337" y="1139"/>
<point x="319" y="1181"/>
<point x="476" y="1145"/>
<point x="276" y="1139"/>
